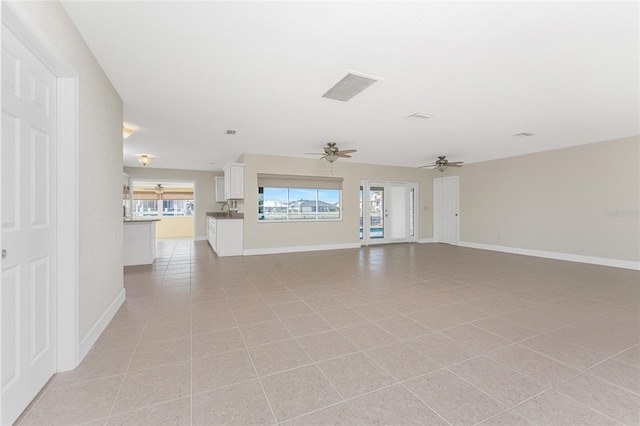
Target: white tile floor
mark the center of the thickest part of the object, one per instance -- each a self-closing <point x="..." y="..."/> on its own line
<point x="396" y="334"/>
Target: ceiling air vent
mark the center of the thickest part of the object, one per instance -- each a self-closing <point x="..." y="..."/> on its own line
<point x="524" y="134"/>
<point x="350" y="85"/>
<point x="420" y="116"/>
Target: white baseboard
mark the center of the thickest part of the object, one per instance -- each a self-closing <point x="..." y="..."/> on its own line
<point x="92" y="336"/>
<point x="298" y="249"/>
<point x="201" y="239"/>
<point x="603" y="261"/>
<point x="425" y="240"/>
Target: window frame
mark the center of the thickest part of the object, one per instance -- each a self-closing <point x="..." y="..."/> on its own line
<point x="288" y="204"/>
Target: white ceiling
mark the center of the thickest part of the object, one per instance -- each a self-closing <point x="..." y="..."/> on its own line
<point x="188" y="71"/>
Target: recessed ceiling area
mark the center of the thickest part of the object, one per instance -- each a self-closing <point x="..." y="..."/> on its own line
<point x="484" y="71"/>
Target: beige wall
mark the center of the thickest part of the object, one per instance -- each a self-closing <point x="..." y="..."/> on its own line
<point x="205" y="189"/>
<point x="175" y="227"/>
<point x="557" y="200"/>
<point x="99" y="166"/>
<point x="296" y="234"/>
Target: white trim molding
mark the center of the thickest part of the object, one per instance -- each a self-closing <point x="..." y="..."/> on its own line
<point x="92" y="336"/>
<point x="300" y="249"/>
<point x="426" y="240"/>
<point x="603" y="261"/>
<point x="201" y="238"/>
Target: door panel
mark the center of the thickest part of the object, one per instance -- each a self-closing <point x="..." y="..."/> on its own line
<point x="10" y="169"/>
<point x="398" y="212"/>
<point x="446" y="209"/>
<point x="10" y="325"/>
<point x="376" y="212"/>
<point x="28" y="226"/>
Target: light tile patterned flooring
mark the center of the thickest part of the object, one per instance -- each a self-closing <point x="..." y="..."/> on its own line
<point x="396" y="334"/>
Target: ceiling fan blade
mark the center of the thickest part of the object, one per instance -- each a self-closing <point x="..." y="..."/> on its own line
<point x="454" y="165"/>
<point x="347" y="151"/>
<point x="424" y="167"/>
<point x="343" y="155"/>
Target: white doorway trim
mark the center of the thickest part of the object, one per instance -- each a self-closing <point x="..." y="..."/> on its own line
<point x="446" y="209"/>
<point x="25" y="28"/>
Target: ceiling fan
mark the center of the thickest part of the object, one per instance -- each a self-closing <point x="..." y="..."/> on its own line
<point x="332" y="152"/>
<point x="442" y="164"/>
<point x="158" y="189"/>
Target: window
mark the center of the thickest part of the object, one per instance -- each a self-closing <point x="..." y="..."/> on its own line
<point x="177" y="207"/>
<point x="145" y="208"/>
<point x="293" y="198"/>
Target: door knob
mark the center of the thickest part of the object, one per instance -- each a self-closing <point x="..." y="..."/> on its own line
<point x="4" y="254"/>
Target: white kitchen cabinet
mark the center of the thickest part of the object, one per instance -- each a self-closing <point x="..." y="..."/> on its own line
<point x="226" y="236"/>
<point x="234" y="181"/>
<point x="139" y="238"/>
<point x="220" y="196"/>
<point x="211" y="232"/>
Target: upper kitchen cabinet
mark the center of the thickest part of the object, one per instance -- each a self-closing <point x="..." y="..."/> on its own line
<point x="234" y="181"/>
<point x="220" y="195"/>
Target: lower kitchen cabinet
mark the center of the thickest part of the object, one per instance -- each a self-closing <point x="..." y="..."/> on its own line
<point x="225" y="236"/>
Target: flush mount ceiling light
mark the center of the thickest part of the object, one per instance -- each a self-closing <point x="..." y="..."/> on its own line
<point x="350" y="85"/>
<point x="420" y="116"/>
<point x="524" y="134"/>
<point x="231" y="132"/>
<point x="126" y="132"/>
<point x="144" y="159"/>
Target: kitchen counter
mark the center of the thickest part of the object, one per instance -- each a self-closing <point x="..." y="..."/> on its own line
<point x="139" y="241"/>
<point x="224" y="215"/>
<point x="142" y="219"/>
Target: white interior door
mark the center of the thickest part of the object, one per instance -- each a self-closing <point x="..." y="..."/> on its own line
<point x="28" y="286"/>
<point x="446" y="210"/>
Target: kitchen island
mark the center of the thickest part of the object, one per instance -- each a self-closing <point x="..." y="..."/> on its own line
<point x="139" y="241"/>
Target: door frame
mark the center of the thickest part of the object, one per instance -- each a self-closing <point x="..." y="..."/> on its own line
<point x="166" y="180"/>
<point x="27" y="31"/>
<point x="437" y="191"/>
<point x="366" y="184"/>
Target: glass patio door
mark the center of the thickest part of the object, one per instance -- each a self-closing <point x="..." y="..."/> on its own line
<point x="377" y="213"/>
<point x="386" y="212"/>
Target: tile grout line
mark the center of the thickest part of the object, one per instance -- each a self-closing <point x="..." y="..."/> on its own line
<point x="313" y="362"/>
<point x="255" y="370"/>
